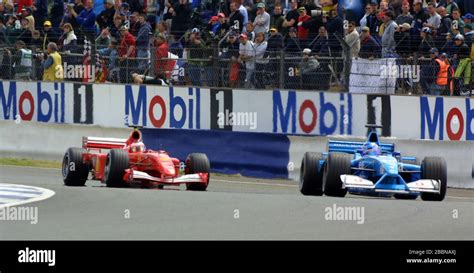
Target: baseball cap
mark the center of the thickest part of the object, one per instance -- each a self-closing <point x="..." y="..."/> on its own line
<point x="306" y="51"/>
<point x="214" y="19"/>
<point x="301" y="9"/>
<point x="195" y="30"/>
<point x="232" y="34"/>
<point x="273" y="29"/>
<point x="468" y="16"/>
<point x="243" y="35"/>
<point x="434" y="50"/>
<point x="459" y="37"/>
<point x="125" y="5"/>
<point x="260" y="5"/>
<point x="365" y="29"/>
<point x="426" y="30"/>
<point x="443" y="55"/>
<point x="468" y="26"/>
<point x="221" y="15"/>
<point x="47" y="23"/>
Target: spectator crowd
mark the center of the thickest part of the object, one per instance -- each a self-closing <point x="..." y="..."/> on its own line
<point x="238" y="43"/>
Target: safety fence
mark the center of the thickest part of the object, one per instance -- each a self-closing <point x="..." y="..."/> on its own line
<point x="224" y="67"/>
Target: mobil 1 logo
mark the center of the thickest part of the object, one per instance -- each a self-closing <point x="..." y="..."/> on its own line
<point x="221" y="102"/>
<point x="83" y="103"/>
<point x="379" y="112"/>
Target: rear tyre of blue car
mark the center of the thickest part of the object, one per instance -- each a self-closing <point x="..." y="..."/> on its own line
<point x="336" y="165"/>
<point x="197" y="163"/>
<point x="434" y="168"/>
<point x="74" y="170"/>
<point x="311" y="179"/>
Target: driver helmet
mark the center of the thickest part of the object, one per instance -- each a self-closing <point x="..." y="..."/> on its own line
<point x="137" y="147"/>
<point x="371" y="148"/>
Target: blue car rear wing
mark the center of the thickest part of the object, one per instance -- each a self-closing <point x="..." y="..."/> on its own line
<point x="351" y="147"/>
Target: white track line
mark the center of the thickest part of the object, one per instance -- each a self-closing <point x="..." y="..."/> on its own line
<point x="45" y="195"/>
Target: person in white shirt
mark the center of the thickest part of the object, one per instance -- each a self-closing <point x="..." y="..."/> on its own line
<point x="435" y="19"/>
<point x="247" y="56"/>
<point x="353" y="40"/>
<point x="262" y="20"/>
<point x="261" y="61"/>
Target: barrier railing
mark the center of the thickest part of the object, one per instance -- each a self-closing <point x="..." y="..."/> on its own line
<point x="223" y="68"/>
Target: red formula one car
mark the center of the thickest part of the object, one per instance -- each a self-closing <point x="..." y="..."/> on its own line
<point x="129" y="162"/>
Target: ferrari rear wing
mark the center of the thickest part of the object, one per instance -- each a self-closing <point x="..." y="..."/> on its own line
<point x="351" y="147"/>
<point x="103" y="143"/>
<point x="110" y="142"/>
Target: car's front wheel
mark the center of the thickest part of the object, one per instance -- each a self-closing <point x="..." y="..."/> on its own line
<point x="434" y="168"/>
<point x="311" y="175"/>
<point x="336" y="165"/>
<point x="117" y="163"/>
<point x="197" y="163"/>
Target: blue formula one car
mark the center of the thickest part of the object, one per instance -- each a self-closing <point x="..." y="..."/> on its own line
<point x="371" y="168"/>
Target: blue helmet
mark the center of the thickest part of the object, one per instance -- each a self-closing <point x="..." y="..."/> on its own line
<point x="371" y="148"/>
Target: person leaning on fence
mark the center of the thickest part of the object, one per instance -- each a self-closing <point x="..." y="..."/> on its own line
<point x="369" y="47"/>
<point x="195" y="50"/>
<point x="429" y="71"/>
<point x="274" y="47"/>
<point x="308" y="66"/>
<point x="403" y="40"/>
<point x="261" y="60"/>
<point x="53" y="68"/>
<point x="352" y="40"/>
<point x="110" y="54"/>
<point x="230" y="67"/>
<point x="388" y="37"/>
<point x="143" y="43"/>
<point x="462" y="74"/>
<point x="161" y="54"/>
<point x="127" y="53"/>
<point x="22" y="61"/>
<point x="247" y="57"/>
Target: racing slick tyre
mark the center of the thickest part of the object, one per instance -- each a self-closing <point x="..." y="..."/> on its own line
<point x="117" y="163"/>
<point x="434" y="168"/>
<point x="405" y="196"/>
<point x="311" y="179"/>
<point x="197" y="163"/>
<point x="74" y="170"/>
<point x="336" y="165"/>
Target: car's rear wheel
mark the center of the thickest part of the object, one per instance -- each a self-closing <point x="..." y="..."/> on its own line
<point x="336" y="165"/>
<point x="434" y="168"/>
<point x="197" y="163"/>
<point x="311" y="178"/>
<point x="117" y="163"/>
<point x="74" y="170"/>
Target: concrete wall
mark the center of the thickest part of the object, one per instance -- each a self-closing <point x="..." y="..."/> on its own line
<point x="47" y="141"/>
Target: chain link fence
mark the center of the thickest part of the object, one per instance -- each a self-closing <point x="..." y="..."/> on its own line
<point x="219" y="67"/>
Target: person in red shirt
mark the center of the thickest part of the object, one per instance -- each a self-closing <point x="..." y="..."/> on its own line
<point x="126" y="53"/>
<point x="23" y="4"/>
<point x="161" y="55"/>
<point x="302" y="31"/>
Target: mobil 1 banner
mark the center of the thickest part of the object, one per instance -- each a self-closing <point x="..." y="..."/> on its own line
<point x="222" y="116"/>
<point x="379" y="112"/>
<point x="83" y="103"/>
